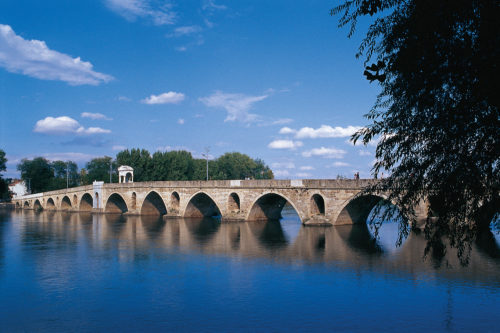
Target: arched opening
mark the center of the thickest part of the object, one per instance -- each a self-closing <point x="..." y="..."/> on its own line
<point x="37" y="205"/>
<point x="357" y="210"/>
<point x="233" y="204"/>
<point x="86" y="203"/>
<point x="65" y="203"/>
<point x="201" y="205"/>
<point x="97" y="200"/>
<point x="377" y="224"/>
<point x="133" y="202"/>
<point x="267" y="207"/>
<point x="18" y="205"/>
<point x="75" y="200"/>
<point x="116" y="204"/>
<point x="175" y="201"/>
<point x="153" y="205"/>
<point x="26" y="204"/>
<point x="50" y="204"/>
<point x="317" y="205"/>
<point x="128" y="177"/>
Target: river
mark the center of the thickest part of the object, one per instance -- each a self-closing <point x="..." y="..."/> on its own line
<point x="83" y="272"/>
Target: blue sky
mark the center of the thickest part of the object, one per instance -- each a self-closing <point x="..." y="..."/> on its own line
<point x="276" y="80"/>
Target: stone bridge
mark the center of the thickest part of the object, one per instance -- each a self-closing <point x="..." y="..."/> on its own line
<point x="322" y="201"/>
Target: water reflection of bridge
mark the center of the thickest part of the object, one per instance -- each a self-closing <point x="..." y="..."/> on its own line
<point x="349" y="246"/>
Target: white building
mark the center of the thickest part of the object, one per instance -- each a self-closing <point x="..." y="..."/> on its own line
<point x="125" y="174"/>
<point x="18" y="188"/>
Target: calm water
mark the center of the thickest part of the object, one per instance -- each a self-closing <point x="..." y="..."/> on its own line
<point x="77" y="272"/>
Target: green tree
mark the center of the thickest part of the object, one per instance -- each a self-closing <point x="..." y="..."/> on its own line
<point x="4" y="187"/>
<point x="139" y="159"/>
<point x="98" y="169"/>
<point x="37" y="173"/>
<point x="437" y="116"/>
<point x="60" y="168"/>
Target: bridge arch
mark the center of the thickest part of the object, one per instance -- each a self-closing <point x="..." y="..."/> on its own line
<point x="37" y="205"/>
<point x="50" y="204"/>
<point x="115" y="204"/>
<point x="65" y="203"/>
<point x="18" y="204"/>
<point x="75" y="200"/>
<point x="201" y="205"/>
<point x="357" y="209"/>
<point x="317" y="205"/>
<point x="175" y="201"/>
<point x="26" y="204"/>
<point x="153" y="205"/>
<point x="233" y="203"/>
<point x="86" y="203"/>
<point x="268" y="206"/>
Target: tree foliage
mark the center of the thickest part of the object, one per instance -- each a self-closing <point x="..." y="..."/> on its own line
<point x="437" y="115"/>
<point x="98" y="169"/>
<point x="4" y="187"/>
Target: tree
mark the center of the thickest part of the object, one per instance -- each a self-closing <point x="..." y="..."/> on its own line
<point x="4" y="187"/>
<point x="37" y="173"/>
<point x="437" y="115"/>
<point x="62" y="170"/>
<point x="98" y="170"/>
<point x="139" y="159"/>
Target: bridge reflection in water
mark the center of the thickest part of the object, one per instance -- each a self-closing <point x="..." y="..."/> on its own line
<point x="285" y="240"/>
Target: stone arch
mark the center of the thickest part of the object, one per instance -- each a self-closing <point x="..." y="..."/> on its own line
<point x="175" y="201"/>
<point x="357" y="209"/>
<point x="115" y="204"/>
<point x="75" y="200"/>
<point x="86" y="203"/>
<point x="18" y="204"/>
<point x="97" y="200"/>
<point x="201" y="205"/>
<point x="153" y="205"/>
<point x="269" y="206"/>
<point x="26" y="204"/>
<point x="233" y="203"/>
<point x="128" y="177"/>
<point x="37" y="205"/>
<point x="317" y="205"/>
<point x="133" y="201"/>
<point x="65" y="203"/>
<point x="50" y="204"/>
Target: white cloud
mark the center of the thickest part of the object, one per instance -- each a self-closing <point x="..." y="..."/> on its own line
<point x="287" y="130"/>
<point x="118" y="147"/>
<point x="170" y="97"/>
<point x="124" y="99"/>
<point x="211" y="6"/>
<point x="236" y="105"/>
<point x="65" y="125"/>
<point x="284" y="144"/>
<point x="181" y="48"/>
<point x="306" y="167"/>
<point x="171" y="148"/>
<point x="325" y="152"/>
<point x="303" y="174"/>
<point x="364" y="153"/>
<point x="326" y="131"/>
<point x="94" y="116"/>
<point x="180" y="121"/>
<point x="185" y="31"/>
<point x="283" y="165"/>
<point x="281" y="173"/>
<point x="341" y="164"/>
<point x="33" y="58"/>
<point x="133" y="9"/>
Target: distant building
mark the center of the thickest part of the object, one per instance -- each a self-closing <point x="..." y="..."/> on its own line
<point x="18" y="188"/>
